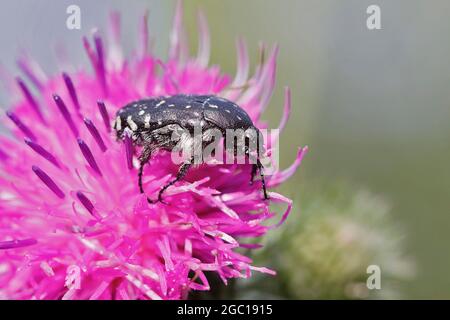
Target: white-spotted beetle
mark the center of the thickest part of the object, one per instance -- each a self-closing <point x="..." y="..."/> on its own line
<point x="151" y="123"/>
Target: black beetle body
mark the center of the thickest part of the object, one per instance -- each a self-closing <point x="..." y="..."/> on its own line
<point x="151" y="123"/>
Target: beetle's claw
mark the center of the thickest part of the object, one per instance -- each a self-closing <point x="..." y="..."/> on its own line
<point x="160" y="199"/>
<point x="156" y="201"/>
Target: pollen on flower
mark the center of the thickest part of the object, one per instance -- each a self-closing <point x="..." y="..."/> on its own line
<point x="69" y="195"/>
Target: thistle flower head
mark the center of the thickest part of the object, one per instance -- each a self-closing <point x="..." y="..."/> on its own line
<point x="73" y="224"/>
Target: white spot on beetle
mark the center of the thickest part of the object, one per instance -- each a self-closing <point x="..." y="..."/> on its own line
<point x="160" y="103"/>
<point x="171" y="105"/>
<point x="147" y="121"/>
<point x="141" y="112"/>
<point x="239" y="118"/>
<point x="227" y="110"/>
<point x="159" y="122"/>
<point x="132" y="124"/>
<point x="213" y="106"/>
<point x="188" y="107"/>
<point x="127" y="131"/>
<point x="118" y="123"/>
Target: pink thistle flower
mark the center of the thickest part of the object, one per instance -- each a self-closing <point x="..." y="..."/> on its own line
<point x="73" y="224"/>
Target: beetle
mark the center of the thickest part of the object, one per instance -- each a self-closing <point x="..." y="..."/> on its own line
<point x="152" y="122"/>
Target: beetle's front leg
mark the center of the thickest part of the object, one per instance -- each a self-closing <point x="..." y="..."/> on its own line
<point x="180" y="175"/>
<point x="261" y="173"/>
<point x="255" y="168"/>
<point x="143" y="159"/>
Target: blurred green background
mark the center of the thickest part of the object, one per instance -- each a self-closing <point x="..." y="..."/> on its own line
<point x="372" y="105"/>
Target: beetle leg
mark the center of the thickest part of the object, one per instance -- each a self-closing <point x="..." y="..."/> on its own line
<point x="180" y="175"/>
<point x="143" y="159"/>
<point x="254" y="165"/>
<point x="255" y="168"/>
<point x="261" y="172"/>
